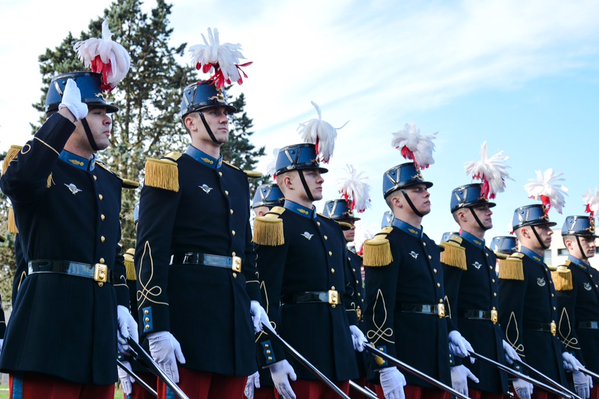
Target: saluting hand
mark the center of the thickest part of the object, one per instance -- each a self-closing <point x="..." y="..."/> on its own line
<point x="71" y="100"/>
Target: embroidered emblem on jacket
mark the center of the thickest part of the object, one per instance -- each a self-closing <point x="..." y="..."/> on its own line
<point x="206" y="188"/>
<point x="307" y="235"/>
<point x="477" y="265"/>
<point x="72" y="188"/>
<point x="540" y="281"/>
<point x="587" y="286"/>
<point x="414" y="254"/>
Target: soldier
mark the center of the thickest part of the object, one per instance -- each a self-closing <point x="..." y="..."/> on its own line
<point x="503" y="246"/>
<point x="471" y="284"/>
<point x="578" y="299"/>
<point x="266" y="197"/>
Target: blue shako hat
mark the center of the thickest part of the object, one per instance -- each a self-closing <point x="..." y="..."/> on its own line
<point x="506" y="245"/>
<point x="339" y="210"/>
<point x="201" y="96"/>
<point x="387" y="219"/>
<point x="402" y="176"/>
<point x="89" y="84"/>
<point x="531" y="215"/>
<point x="447" y="235"/>
<point x="582" y="226"/>
<point x="269" y="195"/>
<point x="298" y="157"/>
<point x="468" y="196"/>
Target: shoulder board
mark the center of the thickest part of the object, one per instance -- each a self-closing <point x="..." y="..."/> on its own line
<point x="232" y="166"/>
<point x="130" y="184"/>
<point x="12" y="224"/>
<point x="268" y="229"/>
<point x="500" y="256"/>
<point x="562" y="279"/>
<point x="454" y="255"/>
<point x="568" y="263"/>
<point x="253" y="174"/>
<point x="130" y="264"/>
<point x="552" y="268"/>
<point x="377" y="251"/>
<point x="173" y="156"/>
<point x="511" y="268"/>
<point x="385" y="231"/>
<point x="11" y="155"/>
<point x="518" y="255"/>
<point x="456" y="238"/>
<point x="162" y="173"/>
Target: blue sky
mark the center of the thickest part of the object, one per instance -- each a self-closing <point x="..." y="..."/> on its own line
<point x="524" y="76"/>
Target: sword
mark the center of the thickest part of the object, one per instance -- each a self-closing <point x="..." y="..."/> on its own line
<point x="363" y="390"/>
<point x="141" y="355"/>
<point x="518" y="374"/>
<point x="413" y="371"/>
<point x="589" y="372"/>
<point x="298" y="356"/>
<point x="137" y="378"/>
<point x="549" y="380"/>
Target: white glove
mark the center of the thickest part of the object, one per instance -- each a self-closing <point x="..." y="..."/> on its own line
<point x="458" y="346"/>
<point x="582" y="384"/>
<point x="510" y="353"/>
<point x="459" y="378"/>
<point x="126" y="379"/>
<point x="259" y="316"/>
<point x="281" y="372"/>
<point x="570" y="362"/>
<point x="166" y="351"/>
<point x="71" y="99"/>
<point x="358" y="338"/>
<point x="252" y="384"/>
<point x="392" y="382"/>
<point x="127" y="328"/>
<point x="523" y="389"/>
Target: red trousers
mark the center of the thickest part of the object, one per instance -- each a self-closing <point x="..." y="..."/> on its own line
<point x="414" y="392"/>
<point x="483" y="395"/>
<point x="199" y="385"/>
<point x="36" y="386"/>
<point x="315" y="390"/>
<point x="264" y="393"/>
<point x="140" y="392"/>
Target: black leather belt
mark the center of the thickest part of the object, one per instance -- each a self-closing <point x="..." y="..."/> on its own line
<point x="330" y="297"/>
<point x="438" y="309"/>
<point x="544" y="327"/>
<point x="589" y="325"/>
<point x="98" y="272"/>
<point x="490" y="315"/>
<point x="198" y="258"/>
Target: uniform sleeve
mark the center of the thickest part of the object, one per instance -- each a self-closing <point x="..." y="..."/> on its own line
<point x="566" y="304"/>
<point x="119" y="275"/>
<point x="250" y="270"/>
<point x="350" y="296"/>
<point x="453" y="278"/>
<point x="512" y="294"/>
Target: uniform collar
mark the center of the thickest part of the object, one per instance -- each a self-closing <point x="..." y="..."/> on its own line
<point x="407" y="228"/>
<point x="533" y="255"/>
<point x="308" y="213"/>
<point x="203" y="158"/>
<point x="78" y="162"/>
<point x="578" y="262"/>
<point x="477" y="242"/>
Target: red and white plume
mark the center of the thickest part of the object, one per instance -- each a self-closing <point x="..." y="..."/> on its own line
<point x="591" y="200"/>
<point x="105" y="56"/>
<point x="321" y="133"/>
<point x="548" y="189"/>
<point x="355" y="189"/>
<point x="492" y="171"/>
<point x="224" y="59"/>
<point x="415" y="146"/>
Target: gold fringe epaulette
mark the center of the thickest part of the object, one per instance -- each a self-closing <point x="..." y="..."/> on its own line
<point x="162" y="173"/>
<point x="454" y="254"/>
<point x="500" y="256"/>
<point x="130" y="184"/>
<point x="562" y="279"/>
<point x="377" y="251"/>
<point x="11" y="155"/>
<point x="268" y="229"/>
<point x="12" y="223"/>
<point x="253" y="174"/>
<point x="130" y="264"/>
<point x="511" y="268"/>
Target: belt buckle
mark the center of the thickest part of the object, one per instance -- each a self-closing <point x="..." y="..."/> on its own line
<point x="494" y="316"/>
<point x="553" y="328"/>
<point x="100" y="274"/>
<point x="333" y="298"/>
<point x="359" y="313"/>
<point x="236" y="264"/>
<point x="441" y="310"/>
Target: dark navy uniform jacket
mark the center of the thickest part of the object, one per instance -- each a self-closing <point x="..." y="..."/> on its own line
<point x="206" y="308"/>
<point x="413" y="278"/>
<point x="66" y="208"/>
<point x="475" y="289"/>
<point x="524" y="306"/>
<point x="354" y="300"/>
<point x="311" y="259"/>
<point x="578" y="310"/>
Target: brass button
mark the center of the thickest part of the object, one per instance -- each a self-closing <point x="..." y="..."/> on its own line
<point x="424" y="244"/>
<point x="330" y="253"/>
<point x="100" y="197"/>
<point x="102" y="217"/>
<point x="494" y="294"/>
<point x="147" y="319"/>
<point x="234" y="275"/>
<point x="318" y="223"/>
<point x="231" y="211"/>
<point x="233" y="232"/>
<point x="102" y="238"/>
<point x="333" y="287"/>
<point x="220" y="173"/>
<point x="102" y="260"/>
<point x="146" y="312"/>
<point x="435" y="270"/>
<point x="430" y="257"/>
<point x="326" y="238"/>
<point x="440" y="300"/>
<point x="147" y="327"/>
<point x="95" y="177"/>
<point x="487" y="255"/>
<point x="233" y="253"/>
<point x="332" y="270"/>
<point x="438" y="284"/>
<point x="226" y="192"/>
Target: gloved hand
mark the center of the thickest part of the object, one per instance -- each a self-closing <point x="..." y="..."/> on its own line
<point x="570" y="362"/>
<point x="582" y="384"/>
<point x="392" y="382"/>
<point x="127" y="328"/>
<point x="126" y="380"/>
<point x="166" y="351"/>
<point x="281" y="372"/>
<point x="510" y="353"/>
<point x="523" y="389"/>
<point x="252" y="384"/>
<point x="259" y="316"/>
<point x="459" y="378"/>
<point x="358" y="338"/>
<point x="458" y="346"/>
<point x="71" y="99"/>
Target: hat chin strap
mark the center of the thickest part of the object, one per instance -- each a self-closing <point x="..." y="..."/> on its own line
<point x="90" y="136"/>
<point x="582" y="253"/>
<point x="478" y="220"/>
<point x="539" y="238"/>
<point x="416" y="211"/>
<point x="208" y="130"/>
<point x="306" y="188"/>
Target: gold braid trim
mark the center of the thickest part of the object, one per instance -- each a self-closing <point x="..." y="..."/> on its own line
<point x="454" y="255"/>
<point x="130" y="264"/>
<point x="268" y="229"/>
<point x="511" y="268"/>
<point x="11" y="155"/>
<point x="12" y="223"/>
<point x="562" y="279"/>
<point x="162" y="173"/>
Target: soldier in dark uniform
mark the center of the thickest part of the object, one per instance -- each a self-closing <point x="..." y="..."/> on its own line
<point x="577" y="285"/>
<point x="197" y="281"/>
<point x="301" y="260"/>
<point x="265" y="198"/>
<point x="527" y="302"/>
<point x="406" y="314"/>
<point x="472" y="284"/>
<point x="61" y="341"/>
<point x="503" y="246"/>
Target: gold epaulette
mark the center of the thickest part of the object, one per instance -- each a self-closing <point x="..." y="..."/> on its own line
<point x="173" y="156"/>
<point x="130" y="184"/>
<point x="268" y="229"/>
<point x="233" y="166"/>
<point x="253" y="174"/>
<point x="500" y="256"/>
<point x="562" y="279"/>
<point x="162" y="173"/>
<point x="12" y="224"/>
<point x="130" y="264"/>
<point x="377" y="251"/>
<point x="454" y="254"/>
<point x="11" y="155"/>
<point x="512" y="267"/>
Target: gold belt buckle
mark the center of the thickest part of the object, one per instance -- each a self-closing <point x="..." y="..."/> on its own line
<point x="236" y="266"/>
<point x="553" y="328"/>
<point x="333" y="298"/>
<point x="100" y="274"/>
<point x="494" y="316"/>
<point x="441" y="310"/>
<point x="359" y="313"/>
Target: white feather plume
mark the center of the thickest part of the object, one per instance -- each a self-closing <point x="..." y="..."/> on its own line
<point x="548" y="188"/>
<point x="414" y="145"/>
<point x="271" y="168"/>
<point x="591" y="200"/>
<point x="491" y="170"/>
<point x="115" y="59"/>
<point x="355" y="189"/>
<point x="321" y="133"/>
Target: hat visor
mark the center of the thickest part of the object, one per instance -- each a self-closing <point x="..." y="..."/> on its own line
<point x="108" y="107"/>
